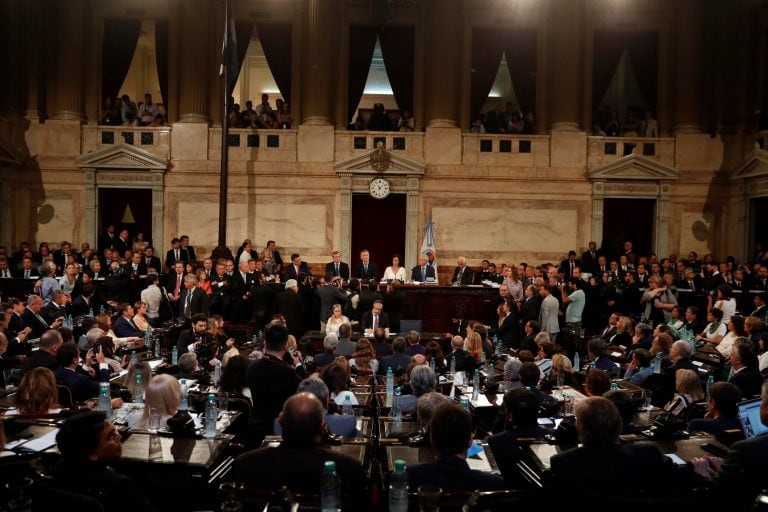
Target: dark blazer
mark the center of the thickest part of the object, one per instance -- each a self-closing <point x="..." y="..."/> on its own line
<point x="170" y="283"/>
<point x="343" y="270"/>
<point x="468" y="277"/>
<point x="744" y="472"/>
<point x="40" y="359"/>
<point x="121" y="245"/>
<point x="565" y="267"/>
<point x="301" y="470"/>
<point x="589" y="262"/>
<point x="198" y="302"/>
<point x="367" y="321"/>
<point x="398" y="361"/>
<point x="141" y="269"/>
<point x="123" y="328"/>
<point x="33" y="273"/>
<point x="382" y="348"/>
<point x="324" y="358"/>
<point x="529" y="309"/>
<point x="464" y="360"/>
<point x="329" y="295"/>
<point x="152" y="262"/>
<point x="289" y="304"/>
<point x="416" y="273"/>
<point x="749" y="381"/>
<point x="509" y="331"/>
<point x="191" y="256"/>
<point x="170" y="258"/>
<point x="335" y="423"/>
<point x="271" y="381"/>
<point x="714" y="425"/>
<point x="290" y="271"/>
<point x="617" y="466"/>
<point x="82" y="387"/>
<point x="362" y="274"/>
<point x="51" y="312"/>
<point x="452" y="474"/>
<point x="31" y="321"/>
<point x="107" y="241"/>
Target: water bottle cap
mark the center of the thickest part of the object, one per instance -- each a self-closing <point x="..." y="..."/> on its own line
<point x="348" y="397"/>
<point x="138" y="377"/>
<point x="329" y="467"/>
<point x="399" y="465"/>
<point x="211" y="396"/>
<point x="183" y="381"/>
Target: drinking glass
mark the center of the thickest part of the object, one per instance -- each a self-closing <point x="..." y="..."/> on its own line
<point x="429" y="498"/>
<point x="8" y="377"/>
<point x="154" y="420"/>
<point x="223" y="401"/>
<point x="560" y="380"/>
<point x="647" y="400"/>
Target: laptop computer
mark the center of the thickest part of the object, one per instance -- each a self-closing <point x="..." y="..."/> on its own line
<point x="749" y="415"/>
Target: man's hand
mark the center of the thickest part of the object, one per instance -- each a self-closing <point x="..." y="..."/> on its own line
<point x="100" y="355"/>
<point x="89" y="357"/>
<point x="57" y="323"/>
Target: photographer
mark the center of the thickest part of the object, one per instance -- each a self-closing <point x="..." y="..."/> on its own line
<point x="198" y="340"/>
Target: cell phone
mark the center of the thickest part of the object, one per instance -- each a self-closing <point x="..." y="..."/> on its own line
<point x="676" y="459"/>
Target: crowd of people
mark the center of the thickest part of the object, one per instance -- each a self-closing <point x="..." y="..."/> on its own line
<point x="123" y="111"/>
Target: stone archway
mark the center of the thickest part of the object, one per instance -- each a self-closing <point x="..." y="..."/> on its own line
<point x="122" y="166"/>
<point x="635" y="177"/>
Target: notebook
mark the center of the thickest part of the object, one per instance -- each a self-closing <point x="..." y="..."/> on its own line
<point x="749" y="415"/>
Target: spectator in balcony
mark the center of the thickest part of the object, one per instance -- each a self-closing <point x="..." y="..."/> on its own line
<point x="406" y="122"/>
<point x="379" y="120"/>
<point x="515" y="124"/>
<point x="631" y="124"/>
<point x="263" y="107"/>
<point x="245" y="115"/>
<point x="597" y="131"/>
<point x="613" y="128"/>
<point x="159" y="120"/>
<point x="252" y="121"/>
<point x="477" y="125"/>
<point x="266" y="120"/>
<point x="128" y="111"/>
<point x="358" y="125"/>
<point x="284" y="118"/>
<point x="495" y="121"/>
<point x="110" y="114"/>
<point x="147" y="111"/>
<point x="649" y="127"/>
<point x="528" y="123"/>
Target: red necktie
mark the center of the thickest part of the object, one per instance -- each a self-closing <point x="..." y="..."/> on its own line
<point x="375" y="322"/>
<point x="178" y="284"/>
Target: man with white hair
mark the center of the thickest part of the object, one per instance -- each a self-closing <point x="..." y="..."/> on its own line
<point x="327" y="356"/>
<point x="462" y="275"/>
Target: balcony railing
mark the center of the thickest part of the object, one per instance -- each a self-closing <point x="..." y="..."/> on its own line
<point x="607" y="149"/>
<point x="508" y="150"/>
<point x="156" y="140"/>
<point x="352" y="143"/>
<point x="246" y="144"/>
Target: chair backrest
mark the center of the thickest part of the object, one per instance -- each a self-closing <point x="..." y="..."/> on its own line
<point x="65" y="396"/>
<point x="410" y="325"/>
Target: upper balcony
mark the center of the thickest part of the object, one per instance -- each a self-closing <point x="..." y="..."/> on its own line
<point x="607" y="149"/>
<point x="156" y="140"/>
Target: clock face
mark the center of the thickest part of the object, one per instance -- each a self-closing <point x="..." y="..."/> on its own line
<point x="379" y="188"/>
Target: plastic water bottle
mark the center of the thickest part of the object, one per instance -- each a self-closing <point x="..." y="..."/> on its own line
<point x="396" y="412"/>
<point x="576" y="362"/>
<point x="175" y="355"/>
<point x="476" y="385"/>
<point x="453" y="367"/>
<point x="346" y="407"/>
<point x="390" y="382"/>
<point x="398" y="488"/>
<point x="138" y="391"/>
<point x="134" y="359"/>
<point x="147" y="339"/>
<point x="710" y="381"/>
<point x="217" y="373"/>
<point x="90" y="312"/>
<point x="482" y="357"/>
<point x="497" y="345"/>
<point x="211" y="415"/>
<point x="184" y="396"/>
<point x="330" y="489"/>
<point x="105" y="400"/>
<point x="614" y="385"/>
<point x="158" y="347"/>
<point x="657" y="363"/>
<point x="432" y="364"/>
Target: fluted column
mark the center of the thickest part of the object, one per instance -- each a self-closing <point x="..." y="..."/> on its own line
<point x="194" y="73"/>
<point x="442" y="62"/>
<point x="32" y="58"/>
<point x="688" y="67"/>
<point x="566" y="50"/>
<point x="319" y="61"/>
<point x="10" y="93"/>
<point x="69" y="84"/>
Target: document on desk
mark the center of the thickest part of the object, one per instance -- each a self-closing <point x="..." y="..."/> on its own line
<point x="154" y="363"/>
<point x="479" y="461"/>
<point x="482" y="401"/>
<point x="41" y="443"/>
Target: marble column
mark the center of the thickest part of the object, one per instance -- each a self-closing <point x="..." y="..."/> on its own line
<point x="412" y="222"/>
<point x="566" y="58"/>
<point x="72" y="23"/>
<point x="321" y="32"/>
<point x="598" y="196"/>
<point x="662" y="218"/>
<point x="216" y="98"/>
<point x="32" y="61"/>
<point x="341" y="118"/>
<point x="443" y="63"/>
<point x="194" y="73"/>
<point x="688" y="67"/>
<point x="11" y="85"/>
<point x="345" y="209"/>
<point x="158" y="207"/>
<point x="90" y="207"/>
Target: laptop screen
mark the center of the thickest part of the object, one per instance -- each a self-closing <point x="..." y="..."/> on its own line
<point x="749" y="415"/>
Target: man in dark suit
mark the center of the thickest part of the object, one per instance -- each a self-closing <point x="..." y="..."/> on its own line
<point x="275" y="255"/>
<point x="761" y="308"/>
<point x="137" y="267"/>
<point x="464" y="360"/>
<point x="338" y="424"/>
<point x="422" y="272"/>
<point x="376" y="318"/>
<point x="462" y="275"/>
<point x="636" y="465"/>
<point x="240" y="284"/>
<point x="298" y="270"/>
<point x="33" y="318"/>
<point x="57" y="308"/>
<point x="740" y="477"/>
<point x="722" y="410"/>
<point x="150" y="260"/>
<point x="451" y="436"/>
<point x="123" y="243"/>
<point x="337" y="267"/>
<point x="299" y="460"/>
<point x="61" y="257"/>
<point x="45" y="356"/>
<point x="508" y="329"/>
<point x="27" y="270"/>
<point x="191" y="256"/>
<point x="107" y="239"/>
<point x="366" y="269"/>
<point x="192" y="299"/>
<point x="289" y="304"/>
<point x="175" y="254"/>
<point x="196" y="339"/>
<point x="379" y="343"/>
<point x="589" y="259"/>
<point x="124" y="326"/>
<point x="569" y="265"/>
<point x="398" y="360"/>
<point x="746" y="375"/>
<point x="328" y="295"/>
<point x="83" y="387"/>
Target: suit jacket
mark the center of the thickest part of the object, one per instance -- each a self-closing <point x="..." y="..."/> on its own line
<point x="367" y="320"/>
<point x="152" y="262"/>
<point x="170" y="258"/>
<point x="121" y="245"/>
<point x="40" y="359"/>
<point x="34" y="323"/>
<point x="343" y="270"/>
<point x="329" y="295"/>
<point x="271" y="381"/>
<point x="382" y="348"/>
<point x="198" y="303"/>
<point x="290" y="271"/>
<point x="191" y="256"/>
<point x="743" y="473"/>
<point x="565" y="267"/>
<point x="51" y="312"/>
<point x="589" y="262"/>
<point x="548" y="315"/>
<point x="468" y="277"/>
<point x="324" y="358"/>
<point x="33" y="274"/>
<point x="335" y="423"/>
<point x="362" y="274"/>
<point x="749" y="381"/>
<point x="141" y="269"/>
<point x="123" y="328"/>
<point x="464" y="360"/>
<point x="398" y="361"/>
<point x="82" y="387"/>
<point x="107" y="241"/>
<point x="289" y="304"/>
<point x="346" y="347"/>
<point x="416" y="273"/>
<point x="61" y="259"/>
<point x="170" y="283"/>
<point x="529" y="309"/>
<point x="452" y="474"/>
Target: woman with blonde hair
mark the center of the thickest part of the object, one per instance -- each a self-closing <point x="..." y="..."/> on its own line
<point x="561" y="365"/>
<point x="335" y="320"/>
<point x="513" y="282"/>
<point x="624" y="331"/>
<point x="364" y="358"/>
<point x="474" y="345"/>
<point x="687" y="390"/>
<point x="140" y="316"/>
<point x="37" y="393"/>
<point x="163" y="396"/>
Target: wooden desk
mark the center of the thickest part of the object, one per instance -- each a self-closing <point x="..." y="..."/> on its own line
<point x="417" y="454"/>
<point x="436" y="306"/>
<point x="396" y="429"/>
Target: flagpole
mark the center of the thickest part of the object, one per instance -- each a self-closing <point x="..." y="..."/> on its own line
<point x="224" y="137"/>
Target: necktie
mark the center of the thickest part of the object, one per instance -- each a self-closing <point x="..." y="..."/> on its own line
<point x="177" y="256"/>
<point x="337" y="270"/>
<point x="365" y="269"/>
<point x="186" y="305"/>
<point x="458" y="278"/>
<point x="423" y="273"/>
<point x="178" y="284"/>
<point x="690" y="283"/>
<point x="26" y="274"/>
<point x="375" y="322"/>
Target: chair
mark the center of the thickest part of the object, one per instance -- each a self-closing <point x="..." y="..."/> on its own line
<point x="410" y="325"/>
<point x="65" y="396"/>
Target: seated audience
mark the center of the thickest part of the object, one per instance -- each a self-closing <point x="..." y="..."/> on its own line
<point x="364" y="358"/>
<point x="141" y="368"/>
<point x="398" y="361"/>
<point x="422" y="380"/>
<point x="163" y="395"/>
<point x="597" y="382"/>
<point x="338" y="424"/>
<point x="233" y="380"/>
<point x="722" y="411"/>
<point x="37" y="393"/>
<point x="336" y="377"/>
<point x="687" y="391"/>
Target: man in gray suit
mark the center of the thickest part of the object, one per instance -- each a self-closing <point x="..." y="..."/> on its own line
<point x="548" y="314"/>
<point x="346" y="347"/>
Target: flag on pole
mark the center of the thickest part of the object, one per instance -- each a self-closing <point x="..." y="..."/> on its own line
<point x="428" y="245"/>
<point x="229" y="56"/>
